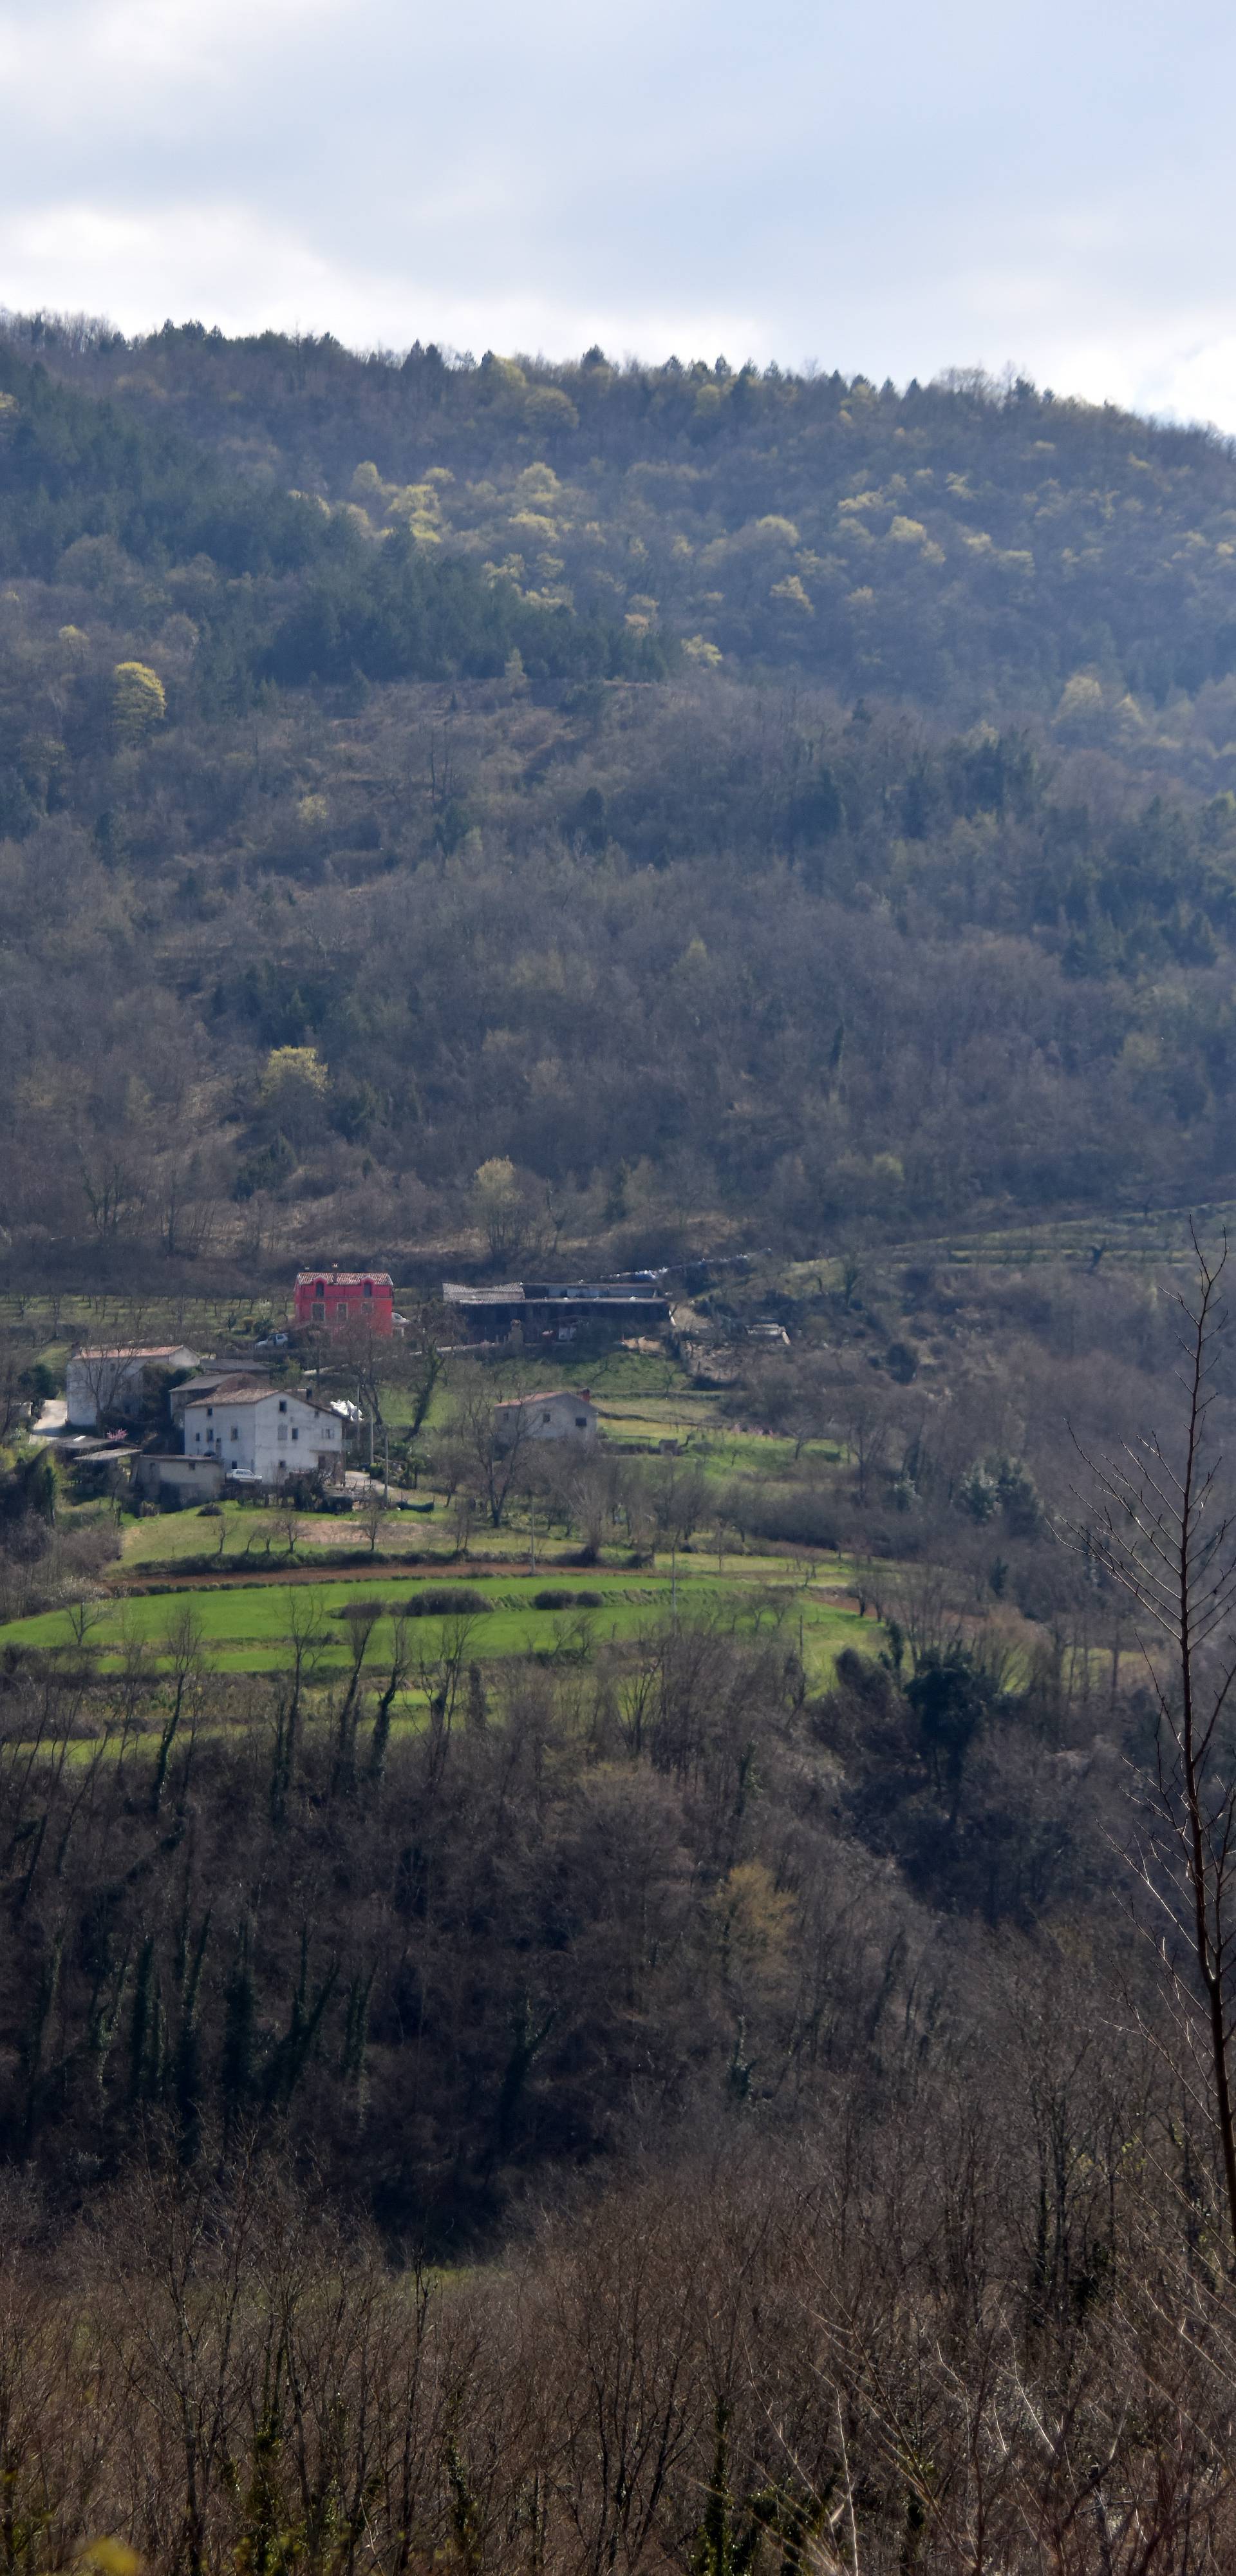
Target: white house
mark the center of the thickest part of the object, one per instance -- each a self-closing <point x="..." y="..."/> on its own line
<point x="262" y="1432"/>
<point x="566" y="1414"/>
<point x="112" y="1381"/>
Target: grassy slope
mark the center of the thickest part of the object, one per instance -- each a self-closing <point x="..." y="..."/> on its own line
<point x="244" y="1628"/>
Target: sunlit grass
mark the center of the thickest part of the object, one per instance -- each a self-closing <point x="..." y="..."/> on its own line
<point x="245" y="1629"/>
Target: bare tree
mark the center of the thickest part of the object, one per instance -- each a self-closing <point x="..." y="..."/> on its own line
<point x="866" y="1420"/>
<point x="286" y="1521"/>
<point x="441" y="1677"/>
<point x="496" y="1453"/>
<point x="182" y="1647"/>
<point x="361" y="1618"/>
<point x="1164" y="1536"/>
<point x="374" y="1514"/>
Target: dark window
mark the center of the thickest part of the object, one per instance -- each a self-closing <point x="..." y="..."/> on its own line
<point x="367" y="1290"/>
<point x="319" y="1310"/>
<point x="295" y="1432"/>
<point x="581" y="1421"/>
<point x="282" y="1405"/>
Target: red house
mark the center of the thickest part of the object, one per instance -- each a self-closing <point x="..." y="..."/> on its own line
<point x="338" y="1298"/>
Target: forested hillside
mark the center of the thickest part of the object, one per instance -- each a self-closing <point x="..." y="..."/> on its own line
<point x="658" y="2004"/>
<point x="748" y="804"/>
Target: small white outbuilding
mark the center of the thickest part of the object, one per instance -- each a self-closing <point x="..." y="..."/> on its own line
<point x="568" y="1413"/>
<point x="264" y="1431"/>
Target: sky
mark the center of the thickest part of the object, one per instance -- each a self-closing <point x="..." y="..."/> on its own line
<point x="866" y="184"/>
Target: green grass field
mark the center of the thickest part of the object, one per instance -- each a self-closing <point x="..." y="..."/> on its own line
<point x="246" y="1628"/>
<point x="646" y="1403"/>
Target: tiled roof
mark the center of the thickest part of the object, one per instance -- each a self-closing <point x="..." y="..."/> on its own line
<point x="346" y="1278"/>
<point x="231" y="1391"/>
<point x="553" y="1395"/>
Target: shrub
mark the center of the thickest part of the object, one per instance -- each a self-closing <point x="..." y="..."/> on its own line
<point x="437" y="1601"/>
<point x="793" y="1514"/>
<point x="443" y="1601"/>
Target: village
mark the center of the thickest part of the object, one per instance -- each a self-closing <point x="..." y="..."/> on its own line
<point x="539" y="1454"/>
<point x="257" y="1418"/>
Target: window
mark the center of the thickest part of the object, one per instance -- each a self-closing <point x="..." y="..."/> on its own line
<point x="319" y="1310"/>
<point x="283" y="1404"/>
<point x="295" y="1432"/>
<point x="319" y="1288"/>
<point x="235" y="1432"/>
<point x="367" y="1290"/>
<point x="283" y="1431"/>
<point x="210" y="1410"/>
<point x="581" y="1421"/>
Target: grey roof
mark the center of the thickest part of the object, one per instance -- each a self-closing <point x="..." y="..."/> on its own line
<point x="225" y="1375"/>
<point x="131" y="1353"/>
<point x="455" y="1295"/>
<point x="551" y="1292"/>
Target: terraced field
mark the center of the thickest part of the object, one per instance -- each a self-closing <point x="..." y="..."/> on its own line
<point x="245" y="1627"/>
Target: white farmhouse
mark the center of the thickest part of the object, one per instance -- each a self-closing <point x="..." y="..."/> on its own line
<point x="264" y="1432"/>
<point x="567" y="1414"/>
<point x="113" y="1381"/>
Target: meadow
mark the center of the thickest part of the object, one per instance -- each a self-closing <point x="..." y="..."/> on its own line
<point x="245" y="1627"/>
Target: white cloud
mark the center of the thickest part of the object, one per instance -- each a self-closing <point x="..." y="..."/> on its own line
<point x="893" y="192"/>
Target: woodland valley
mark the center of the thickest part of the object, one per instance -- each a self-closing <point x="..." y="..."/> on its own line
<point x="666" y="2010"/>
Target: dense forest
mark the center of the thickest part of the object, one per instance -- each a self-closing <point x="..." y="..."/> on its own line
<point x="750" y="805"/>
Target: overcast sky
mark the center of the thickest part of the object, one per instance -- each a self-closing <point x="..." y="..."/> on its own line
<point x="869" y="183"/>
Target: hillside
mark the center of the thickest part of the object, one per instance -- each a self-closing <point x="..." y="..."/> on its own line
<point x="568" y="2004"/>
<point x="750" y="806"/>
